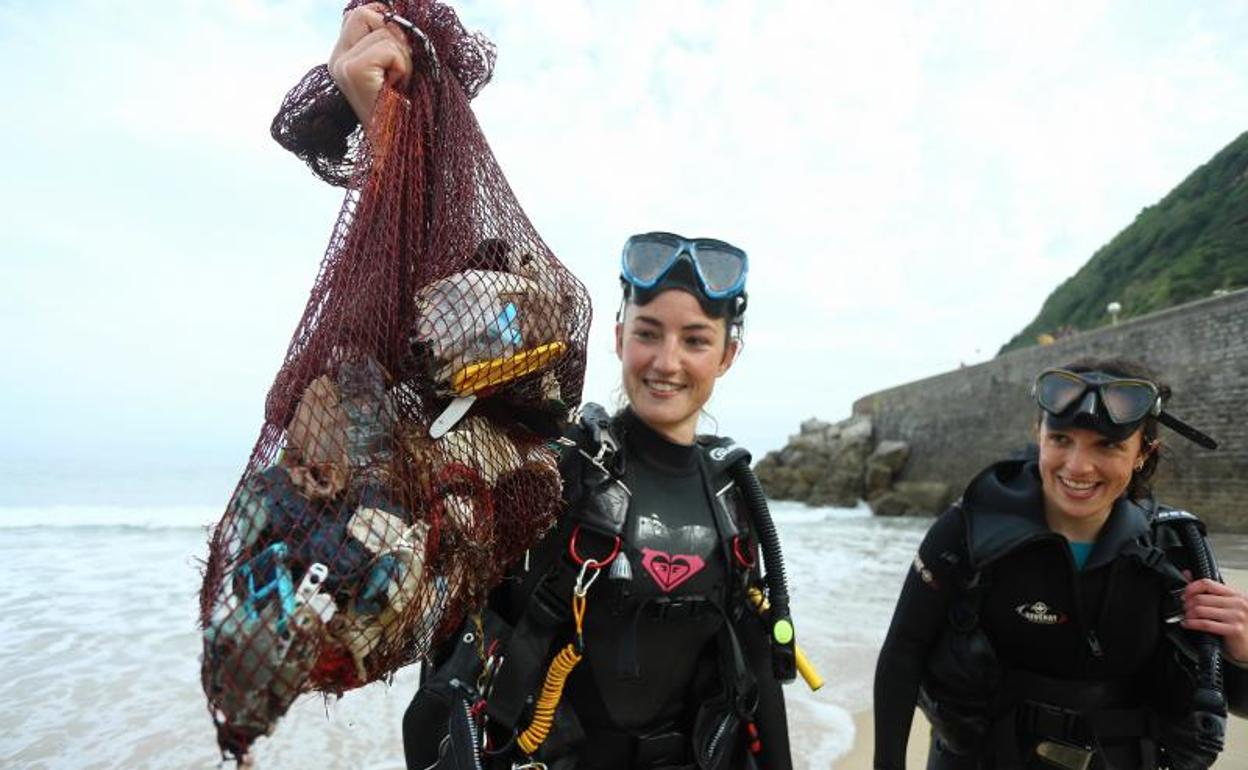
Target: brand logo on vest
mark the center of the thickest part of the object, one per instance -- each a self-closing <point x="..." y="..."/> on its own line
<point x="670" y="570"/>
<point x="924" y="573"/>
<point x="720" y="452"/>
<point x="1041" y="614"/>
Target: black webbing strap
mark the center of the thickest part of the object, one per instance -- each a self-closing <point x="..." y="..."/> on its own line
<point x="547" y="612"/>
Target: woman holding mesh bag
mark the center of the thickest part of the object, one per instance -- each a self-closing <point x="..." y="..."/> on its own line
<point x="408" y="452"/>
<point x="620" y="640"/>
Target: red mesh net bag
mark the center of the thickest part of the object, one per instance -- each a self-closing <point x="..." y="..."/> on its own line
<point x="406" y="458"/>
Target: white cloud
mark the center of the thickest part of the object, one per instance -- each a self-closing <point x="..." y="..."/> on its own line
<point x="911" y="180"/>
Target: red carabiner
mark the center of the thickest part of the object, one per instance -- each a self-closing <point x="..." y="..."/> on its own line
<point x="594" y="563"/>
<point x="736" y="551"/>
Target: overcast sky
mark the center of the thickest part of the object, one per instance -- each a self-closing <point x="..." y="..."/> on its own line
<point x="911" y="180"/>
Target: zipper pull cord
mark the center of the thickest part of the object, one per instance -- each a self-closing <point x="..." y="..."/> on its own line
<point x="1095" y="644"/>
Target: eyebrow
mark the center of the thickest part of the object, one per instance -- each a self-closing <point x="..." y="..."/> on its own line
<point x="693" y="327"/>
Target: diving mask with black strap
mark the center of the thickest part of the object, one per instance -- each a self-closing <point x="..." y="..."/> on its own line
<point x="713" y="271"/>
<point x="1111" y="405"/>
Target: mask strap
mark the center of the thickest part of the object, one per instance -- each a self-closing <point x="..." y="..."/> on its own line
<point x="1186" y="431"/>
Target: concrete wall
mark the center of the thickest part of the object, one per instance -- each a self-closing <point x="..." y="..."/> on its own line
<point x="960" y="421"/>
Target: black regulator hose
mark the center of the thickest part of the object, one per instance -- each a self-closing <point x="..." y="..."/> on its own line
<point x="1209" y="698"/>
<point x="783" y="648"/>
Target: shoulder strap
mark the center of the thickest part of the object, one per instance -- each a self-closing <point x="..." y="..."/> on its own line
<point x="598" y="440"/>
<point x="601" y="498"/>
<point x="718" y="455"/>
<point x="974" y="582"/>
<point x="600" y="505"/>
<point x="722" y="453"/>
<point x="1172" y="530"/>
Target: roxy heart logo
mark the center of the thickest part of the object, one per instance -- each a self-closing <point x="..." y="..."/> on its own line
<point x="670" y="570"/>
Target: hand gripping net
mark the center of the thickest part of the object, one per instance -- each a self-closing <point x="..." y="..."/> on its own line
<point x="355" y="539"/>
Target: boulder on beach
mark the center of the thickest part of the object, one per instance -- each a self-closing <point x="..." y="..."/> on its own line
<point x="822" y="465"/>
<point x="913" y="498"/>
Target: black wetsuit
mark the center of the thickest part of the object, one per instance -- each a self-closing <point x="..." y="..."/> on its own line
<point x="654" y="632"/>
<point x="637" y="678"/>
<point x="1099" y="628"/>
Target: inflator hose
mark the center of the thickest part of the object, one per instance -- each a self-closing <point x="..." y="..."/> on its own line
<point x="1209" y="696"/>
<point x="784" y="657"/>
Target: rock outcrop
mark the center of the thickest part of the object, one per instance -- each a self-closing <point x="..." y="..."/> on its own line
<point x="839" y="464"/>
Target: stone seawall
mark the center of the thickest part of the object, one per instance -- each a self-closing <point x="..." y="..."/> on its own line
<point x="959" y="421"/>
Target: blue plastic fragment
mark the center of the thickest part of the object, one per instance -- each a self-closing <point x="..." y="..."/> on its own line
<point x="270" y="567"/>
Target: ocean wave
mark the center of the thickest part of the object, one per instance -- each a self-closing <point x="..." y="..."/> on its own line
<point x="143" y="516"/>
<point x="792" y="512"/>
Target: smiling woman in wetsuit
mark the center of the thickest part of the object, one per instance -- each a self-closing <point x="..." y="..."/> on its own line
<point x="646" y="583"/>
<point x="629" y="637"/>
<point x="1050" y="616"/>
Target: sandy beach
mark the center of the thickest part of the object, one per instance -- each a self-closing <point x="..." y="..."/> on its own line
<point x="1235" y="757"/>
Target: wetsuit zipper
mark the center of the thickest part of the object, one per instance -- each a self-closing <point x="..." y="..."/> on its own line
<point x="716" y="738"/>
<point x="1093" y="641"/>
<point x="472" y="733"/>
<point x="1089" y="634"/>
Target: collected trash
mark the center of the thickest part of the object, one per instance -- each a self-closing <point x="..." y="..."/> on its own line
<point x="327" y="588"/>
<point x="358" y="537"/>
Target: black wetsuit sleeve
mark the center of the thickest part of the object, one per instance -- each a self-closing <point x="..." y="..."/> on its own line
<point x="1235" y="683"/>
<point x="931" y="583"/>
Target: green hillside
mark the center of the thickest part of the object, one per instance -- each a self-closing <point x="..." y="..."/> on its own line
<point x="1190" y="244"/>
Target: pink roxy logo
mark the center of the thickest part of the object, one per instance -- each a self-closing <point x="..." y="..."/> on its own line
<point x="670" y="570"/>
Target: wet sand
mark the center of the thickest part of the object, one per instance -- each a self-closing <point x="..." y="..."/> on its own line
<point x="1235" y="757"/>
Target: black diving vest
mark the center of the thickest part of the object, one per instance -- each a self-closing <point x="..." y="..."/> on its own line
<point x="674" y="528"/>
<point x="656" y="613"/>
<point x="980" y="707"/>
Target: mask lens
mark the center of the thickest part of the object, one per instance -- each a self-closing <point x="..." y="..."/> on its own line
<point x="1128" y="401"/>
<point x="722" y="267"/>
<point x="1057" y="390"/>
<point x="647" y="258"/>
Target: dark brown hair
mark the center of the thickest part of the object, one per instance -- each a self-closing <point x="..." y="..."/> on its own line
<point x="1140" y="486"/>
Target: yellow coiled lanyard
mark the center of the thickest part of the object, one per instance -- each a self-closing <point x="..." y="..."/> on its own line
<point x="568" y="657"/>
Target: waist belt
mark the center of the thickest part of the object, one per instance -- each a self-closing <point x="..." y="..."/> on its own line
<point x="1084" y="716"/>
<point x="1044" y="720"/>
<point x="665" y="747"/>
<point x="1073" y="694"/>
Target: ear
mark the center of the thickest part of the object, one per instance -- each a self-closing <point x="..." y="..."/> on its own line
<point x="730" y="355"/>
<point x="619" y="341"/>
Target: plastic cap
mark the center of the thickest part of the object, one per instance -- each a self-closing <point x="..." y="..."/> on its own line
<point x="782" y="631"/>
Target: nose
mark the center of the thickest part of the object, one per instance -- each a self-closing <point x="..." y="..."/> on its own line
<point x="1079" y="460"/>
<point x="666" y="358"/>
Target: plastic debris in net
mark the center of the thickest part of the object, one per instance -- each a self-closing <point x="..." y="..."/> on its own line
<point x="406" y="458"/>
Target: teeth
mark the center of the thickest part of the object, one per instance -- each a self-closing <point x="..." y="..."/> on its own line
<point x="1080" y="485"/>
<point x="663" y="386"/>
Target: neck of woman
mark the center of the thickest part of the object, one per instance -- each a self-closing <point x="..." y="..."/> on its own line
<point x="1077" y="529"/>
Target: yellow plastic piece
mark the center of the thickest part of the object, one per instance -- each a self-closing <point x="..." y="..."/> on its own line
<point x="479" y="376"/>
<point x="783" y="631"/>
<point x="804" y="667"/>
